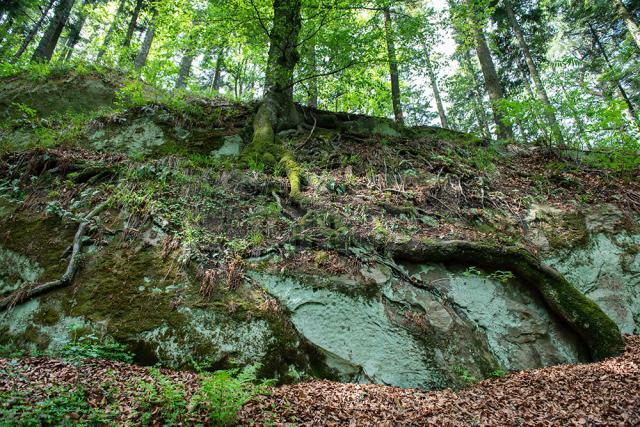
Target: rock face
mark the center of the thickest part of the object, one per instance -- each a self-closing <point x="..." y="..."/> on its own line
<point x="71" y="93"/>
<point x="482" y="325"/>
<point x="370" y="326"/>
<point x="606" y="267"/>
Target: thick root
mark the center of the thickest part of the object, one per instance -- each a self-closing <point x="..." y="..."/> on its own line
<point x="265" y="147"/>
<point x="599" y="332"/>
<point x="293" y="173"/>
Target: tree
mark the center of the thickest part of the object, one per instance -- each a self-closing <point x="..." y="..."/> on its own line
<point x="112" y="28"/>
<point x="393" y="66"/>
<point x="133" y="22"/>
<point x="149" y="35"/>
<point x="491" y="80"/>
<point x="34" y="30"/>
<point x="631" y="24"/>
<point x="277" y="111"/>
<point x="185" y="69"/>
<point x="49" y="41"/>
<point x="436" y="90"/>
<point x="549" y="110"/>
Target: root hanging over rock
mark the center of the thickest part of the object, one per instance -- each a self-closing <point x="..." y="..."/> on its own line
<point x="25" y="294"/>
<point x="599" y="332"/>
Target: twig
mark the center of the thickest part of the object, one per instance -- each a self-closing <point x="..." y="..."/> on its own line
<point x="315" y="122"/>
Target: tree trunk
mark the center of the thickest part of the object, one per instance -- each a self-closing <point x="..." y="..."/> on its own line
<point x="631" y="24"/>
<point x="141" y="59"/>
<point x="132" y="23"/>
<point x="47" y="45"/>
<point x="313" y="82"/>
<point x="216" y="84"/>
<point x="478" y="104"/>
<point x="630" y="110"/>
<point x="34" y="30"/>
<point x="491" y="80"/>
<point x="531" y="95"/>
<point x="436" y="90"/>
<point x="393" y="67"/>
<point x="277" y="111"/>
<point x="112" y="29"/>
<point x="76" y="30"/>
<point x="185" y="70"/>
<point x="549" y="111"/>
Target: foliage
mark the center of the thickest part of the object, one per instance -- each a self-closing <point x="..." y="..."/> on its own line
<point x="224" y="392"/>
<point x="61" y="407"/>
<point x="90" y="346"/>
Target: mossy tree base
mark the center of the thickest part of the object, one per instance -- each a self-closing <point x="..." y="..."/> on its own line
<point x="266" y="147"/>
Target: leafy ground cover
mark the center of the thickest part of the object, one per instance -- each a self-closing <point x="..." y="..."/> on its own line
<point x="105" y="392"/>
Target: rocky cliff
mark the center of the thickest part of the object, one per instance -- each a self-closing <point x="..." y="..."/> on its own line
<point x="414" y="257"/>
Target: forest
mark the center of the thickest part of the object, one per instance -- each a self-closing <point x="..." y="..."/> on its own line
<point x="319" y="212"/>
<point x="559" y="73"/>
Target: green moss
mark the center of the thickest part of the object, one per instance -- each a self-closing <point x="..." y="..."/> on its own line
<point x="126" y="286"/>
<point x="47" y="316"/>
<point x="41" y="237"/>
<point x="569" y="230"/>
<point x="289" y="349"/>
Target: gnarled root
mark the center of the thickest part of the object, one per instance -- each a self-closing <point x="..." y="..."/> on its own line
<point x="23" y="295"/>
<point x="585" y="317"/>
<point x="293" y="174"/>
<point x="266" y="147"/>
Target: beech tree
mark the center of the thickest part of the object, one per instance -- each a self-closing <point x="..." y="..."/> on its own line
<point x="49" y="40"/>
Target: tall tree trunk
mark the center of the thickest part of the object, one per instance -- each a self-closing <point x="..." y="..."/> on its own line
<point x="141" y="59"/>
<point x="531" y="95"/>
<point x="549" y="111"/>
<point x="185" y="70"/>
<point x="133" y="23"/>
<point x="631" y="24"/>
<point x="216" y="84"/>
<point x="525" y="77"/>
<point x="112" y="29"/>
<point x="492" y="83"/>
<point x="277" y="110"/>
<point x="393" y="67"/>
<point x="478" y="104"/>
<point x="630" y="109"/>
<point x="313" y="82"/>
<point x="75" y="30"/>
<point x="436" y="90"/>
<point x="47" y="45"/>
<point x="34" y="30"/>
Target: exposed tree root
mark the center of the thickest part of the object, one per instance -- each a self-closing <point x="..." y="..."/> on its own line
<point x="267" y="148"/>
<point x="585" y="317"/>
<point x="25" y="294"/>
<point x="601" y="334"/>
<point x="293" y="173"/>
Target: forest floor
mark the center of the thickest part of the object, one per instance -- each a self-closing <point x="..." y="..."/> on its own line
<point x="604" y="393"/>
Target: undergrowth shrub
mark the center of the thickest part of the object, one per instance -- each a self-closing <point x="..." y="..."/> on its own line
<point x="223" y="393"/>
<point x="90" y="346"/>
<point x="59" y="407"/>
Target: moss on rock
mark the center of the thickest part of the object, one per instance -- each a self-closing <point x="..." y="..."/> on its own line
<point x="600" y="333"/>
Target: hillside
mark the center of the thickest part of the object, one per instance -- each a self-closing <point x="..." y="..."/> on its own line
<point x="135" y="222"/>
